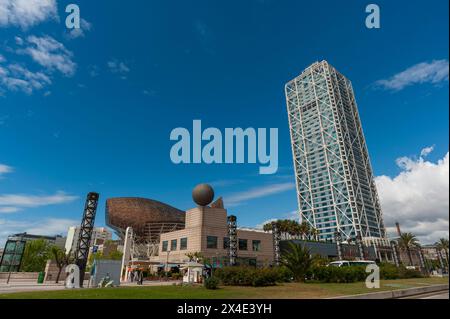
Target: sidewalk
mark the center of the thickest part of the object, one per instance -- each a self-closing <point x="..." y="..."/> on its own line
<point x="27" y="286"/>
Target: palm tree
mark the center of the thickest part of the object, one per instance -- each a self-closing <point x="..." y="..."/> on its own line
<point x="443" y="244"/>
<point x="304" y="229"/>
<point x="298" y="260"/>
<point x="315" y="233"/>
<point x="408" y="241"/>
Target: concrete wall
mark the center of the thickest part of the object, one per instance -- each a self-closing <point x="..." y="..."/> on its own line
<point x="104" y="268"/>
<point x="20" y="276"/>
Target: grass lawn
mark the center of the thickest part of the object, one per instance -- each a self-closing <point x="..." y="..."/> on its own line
<point x="289" y="290"/>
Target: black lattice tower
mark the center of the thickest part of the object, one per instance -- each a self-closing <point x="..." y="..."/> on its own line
<point x="276" y="243"/>
<point x="232" y="234"/>
<point x="84" y="238"/>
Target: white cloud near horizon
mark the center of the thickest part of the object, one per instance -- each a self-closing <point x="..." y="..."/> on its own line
<point x="433" y="72"/>
<point x="294" y="215"/>
<point x="45" y="227"/>
<point x="257" y="192"/>
<point x="29" y="201"/>
<point x="418" y="197"/>
<point x="26" y="13"/>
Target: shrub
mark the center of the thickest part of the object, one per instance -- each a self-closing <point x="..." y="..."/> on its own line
<point x="248" y="276"/>
<point x="390" y="271"/>
<point x="409" y="273"/>
<point x="177" y="276"/>
<point x="298" y="260"/>
<point x="211" y="283"/>
<point x="284" y="274"/>
<point x="337" y="274"/>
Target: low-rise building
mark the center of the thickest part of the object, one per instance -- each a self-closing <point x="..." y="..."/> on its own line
<point x="206" y="232"/>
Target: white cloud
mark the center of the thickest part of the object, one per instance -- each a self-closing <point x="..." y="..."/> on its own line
<point x="294" y="215"/>
<point x="118" y="67"/>
<point x="9" y="210"/>
<point x="2" y="58"/>
<point x="258" y="192"/>
<point x="15" y="77"/>
<point x="434" y="72"/>
<point x="26" y="13"/>
<point x="81" y="32"/>
<point x="45" y="227"/>
<point x="418" y="197"/>
<point x="21" y="200"/>
<point x="50" y="54"/>
<point x="4" y="169"/>
<point x="426" y="151"/>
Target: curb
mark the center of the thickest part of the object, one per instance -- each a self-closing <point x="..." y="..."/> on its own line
<point x="400" y="293"/>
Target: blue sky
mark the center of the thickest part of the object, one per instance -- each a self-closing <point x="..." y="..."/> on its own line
<point x="93" y="110"/>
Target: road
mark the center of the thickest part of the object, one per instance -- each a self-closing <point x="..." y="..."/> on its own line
<point x="433" y="295"/>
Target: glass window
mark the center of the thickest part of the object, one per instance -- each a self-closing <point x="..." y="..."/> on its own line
<point x="226" y="242"/>
<point x="211" y="242"/>
<point x="165" y="244"/>
<point x="242" y="244"/>
<point x="256" y="245"/>
<point x="173" y="244"/>
<point x="183" y="243"/>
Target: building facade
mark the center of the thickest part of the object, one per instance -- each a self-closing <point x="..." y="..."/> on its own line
<point x="99" y="236"/>
<point x="336" y="191"/>
<point x="206" y="232"/>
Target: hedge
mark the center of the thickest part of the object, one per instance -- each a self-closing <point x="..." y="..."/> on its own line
<point x="390" y="271"/>
<point x="249" y="276"/>
<point x="338" y="274"/>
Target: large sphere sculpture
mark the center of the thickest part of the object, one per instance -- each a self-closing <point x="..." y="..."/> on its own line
<point x="203" y="194"/>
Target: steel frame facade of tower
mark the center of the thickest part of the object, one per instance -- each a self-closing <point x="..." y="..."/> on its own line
<point x="336" y="191"/>
<point x="84" y="239"/>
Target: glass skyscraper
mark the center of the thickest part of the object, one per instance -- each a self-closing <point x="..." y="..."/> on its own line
<point x="335" y="186"/>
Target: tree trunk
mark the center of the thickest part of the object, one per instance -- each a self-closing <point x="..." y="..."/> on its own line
<point x="408" y="250"/>
<point x="58" y="275"/>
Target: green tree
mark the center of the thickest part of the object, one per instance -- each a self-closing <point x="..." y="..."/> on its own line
<point x="288" y="228"/>
<point x="35" y="255"/>
<point x="298" y="260"/>
<point x="408" y="241"/>
<point x="61" y="259"/>
<point x="115" y="255"/>
<point x="304" y="230"/>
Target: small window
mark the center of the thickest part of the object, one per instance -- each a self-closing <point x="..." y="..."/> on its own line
<point x="256" y="245"/>
<point x="211" y="242"/>
<point x="226" y="242"/>
<point x="242" y="244"/>
<point x="183" y="243"/>
<point x="165" y="244"/>
<point x="173" y="244"/>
